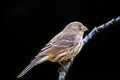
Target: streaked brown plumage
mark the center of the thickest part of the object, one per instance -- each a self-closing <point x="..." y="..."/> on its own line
<point x="63" y="46"/>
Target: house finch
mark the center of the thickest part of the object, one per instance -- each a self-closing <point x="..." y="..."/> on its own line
<point x="63" y="46"/>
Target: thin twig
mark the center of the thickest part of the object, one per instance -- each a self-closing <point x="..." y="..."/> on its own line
<point x="95" y="31"/>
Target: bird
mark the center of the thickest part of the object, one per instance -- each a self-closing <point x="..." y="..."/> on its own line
<point x="65" y="45"/>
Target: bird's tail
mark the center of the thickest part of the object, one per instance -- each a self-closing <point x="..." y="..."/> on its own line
<point x="37" y="60"/>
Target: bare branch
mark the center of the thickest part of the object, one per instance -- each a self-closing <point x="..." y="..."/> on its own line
<point x="95" y="31"/>
<point x="100" y="28"/>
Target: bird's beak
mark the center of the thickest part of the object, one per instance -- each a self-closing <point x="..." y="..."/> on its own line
<point x="85" y="29"/>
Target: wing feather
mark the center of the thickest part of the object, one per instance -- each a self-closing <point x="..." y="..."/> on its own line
<point x="58" y="43"/>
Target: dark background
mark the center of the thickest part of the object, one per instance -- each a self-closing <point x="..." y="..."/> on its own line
<point x="28" y="25"/>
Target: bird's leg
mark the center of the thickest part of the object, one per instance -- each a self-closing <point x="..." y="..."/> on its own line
<point x="69" y="60"/>
<point x="64" y="65"/>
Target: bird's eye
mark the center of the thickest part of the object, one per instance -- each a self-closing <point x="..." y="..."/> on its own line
<point x="80" y="28"/>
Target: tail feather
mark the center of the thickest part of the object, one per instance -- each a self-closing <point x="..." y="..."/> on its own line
<point x="30" y="66"/>
<point x="34" y="62"/>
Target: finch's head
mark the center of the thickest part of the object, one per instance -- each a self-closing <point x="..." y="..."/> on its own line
<point x="77" y="26"/>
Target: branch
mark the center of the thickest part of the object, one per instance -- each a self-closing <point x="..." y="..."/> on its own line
<point x="95" y="31"/>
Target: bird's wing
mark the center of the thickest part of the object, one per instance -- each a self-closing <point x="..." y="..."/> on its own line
<point x="58" y="43"/>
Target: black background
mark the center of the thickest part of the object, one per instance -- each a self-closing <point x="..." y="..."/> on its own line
<point x="28" y="25"/>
